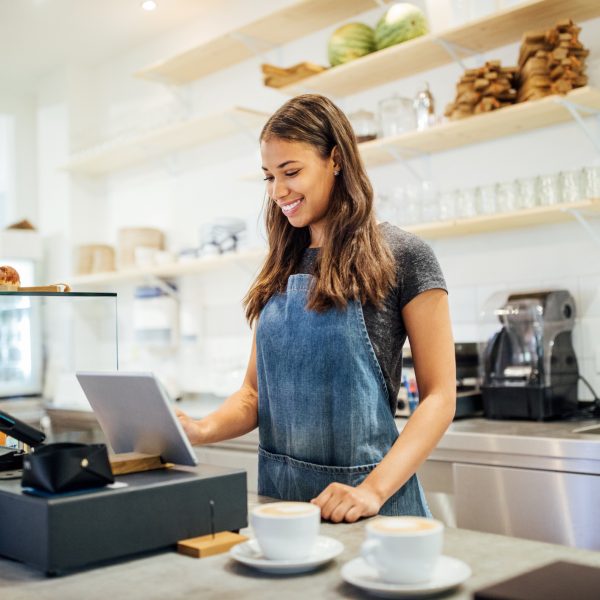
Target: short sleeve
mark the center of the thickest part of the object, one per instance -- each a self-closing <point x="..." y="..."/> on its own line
<point x="418" y="267"/>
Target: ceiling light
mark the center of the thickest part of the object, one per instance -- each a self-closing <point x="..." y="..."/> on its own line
<point x="149" y="5"/>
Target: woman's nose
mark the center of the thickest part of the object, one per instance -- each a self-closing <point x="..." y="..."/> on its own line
<point x="280" y="189"/>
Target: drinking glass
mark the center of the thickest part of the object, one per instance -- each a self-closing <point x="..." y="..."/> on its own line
<point x="506" y="197"/>
<point x="448" y="205"/>
<point x="570" y="186"/>
<point x="430" y="210"/>
<point x="548" y="189"/>
<point x="386" y="208"/>
<point x="412" y="204"/>
<point x="396" y="115"/>
<point x="486" y="199"/>
<point x="590" y="182"/>
<point x="466" y="205"/>
<point x="528" y="192"/>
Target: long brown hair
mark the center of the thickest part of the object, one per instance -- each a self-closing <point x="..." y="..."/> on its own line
<point x="354" y="261"/>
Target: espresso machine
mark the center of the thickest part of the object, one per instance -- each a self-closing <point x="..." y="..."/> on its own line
<point x="530" y="367"/>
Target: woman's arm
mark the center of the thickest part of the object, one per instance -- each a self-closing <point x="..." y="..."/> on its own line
<point x="236" y="416"/>
<point x="427" y="321"/>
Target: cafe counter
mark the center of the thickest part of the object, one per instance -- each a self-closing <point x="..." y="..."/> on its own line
<point x="492" y="558"/>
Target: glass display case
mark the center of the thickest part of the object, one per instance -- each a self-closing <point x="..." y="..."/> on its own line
<point x="45" y="337"/>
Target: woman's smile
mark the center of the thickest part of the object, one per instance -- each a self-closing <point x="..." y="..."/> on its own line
<point x="291" y="208"/>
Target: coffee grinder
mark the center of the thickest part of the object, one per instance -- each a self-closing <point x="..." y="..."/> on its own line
<point x="530" y="367"/>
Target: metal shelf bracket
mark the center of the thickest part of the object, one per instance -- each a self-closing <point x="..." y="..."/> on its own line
<point x="256" y="46"/>
<point x="458" y="53"/>
<point x="578" y="112"/>
<point x="404" y="162"/>
<point x="248" y="131"/>
<point x="154" y="281"/>
<point x="581" y="219"/>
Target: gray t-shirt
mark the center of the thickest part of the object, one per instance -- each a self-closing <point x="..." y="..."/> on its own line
<point x="417" y="271"/>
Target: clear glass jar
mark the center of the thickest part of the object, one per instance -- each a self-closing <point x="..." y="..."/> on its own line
<point x="396" y="115"/>
<point x="424" y="107"/>
<point x="364" y="124"/>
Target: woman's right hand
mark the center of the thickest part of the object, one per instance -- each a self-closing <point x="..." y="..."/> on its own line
<point x="192" y="428"/>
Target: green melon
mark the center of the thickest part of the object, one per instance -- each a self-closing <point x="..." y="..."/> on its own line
<point x="349" y="42"/>
<point x="401" y="22"/>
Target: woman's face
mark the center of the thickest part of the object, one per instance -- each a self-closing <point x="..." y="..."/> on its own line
<point x="300" y="182"/>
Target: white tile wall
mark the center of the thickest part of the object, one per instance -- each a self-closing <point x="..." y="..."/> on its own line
<point x="195" y="186"/>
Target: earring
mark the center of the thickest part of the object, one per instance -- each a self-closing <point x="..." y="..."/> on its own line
<point x="336" y="173"/>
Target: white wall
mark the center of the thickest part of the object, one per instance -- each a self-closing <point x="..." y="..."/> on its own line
<point x="200" y="184"/>
<point x="22" y="199"/>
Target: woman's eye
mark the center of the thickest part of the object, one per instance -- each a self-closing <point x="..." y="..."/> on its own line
<point x="292" y="173"/>
<point x="268" y="178"/>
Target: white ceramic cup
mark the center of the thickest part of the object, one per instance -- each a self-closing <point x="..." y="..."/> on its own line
<point x="403" y="549"/>
<point x="286" y="530"/>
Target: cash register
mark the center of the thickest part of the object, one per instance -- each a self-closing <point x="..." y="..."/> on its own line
<point x="141" y="512"/>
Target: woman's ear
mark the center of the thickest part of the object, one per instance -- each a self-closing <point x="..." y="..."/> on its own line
<point x="335" y="158"/>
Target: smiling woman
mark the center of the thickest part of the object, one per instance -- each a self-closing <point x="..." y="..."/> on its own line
<point x="335" y="300"/>
<point x="318" y="185"/>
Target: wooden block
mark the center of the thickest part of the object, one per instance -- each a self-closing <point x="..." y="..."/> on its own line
<point x="533" y="37"/>
<point x="277" y="77"/>
<point x="207" y="545"/>
<point x="564" y="24"/>
<point x="135" y="462"/>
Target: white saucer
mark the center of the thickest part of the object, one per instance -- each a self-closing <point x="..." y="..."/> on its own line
<point x="249" y="554"/>
<point x="449" y="572"/>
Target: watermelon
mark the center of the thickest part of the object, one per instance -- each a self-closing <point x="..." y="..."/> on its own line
<point x="401" y="22"/>
<point x="349" y="42"/>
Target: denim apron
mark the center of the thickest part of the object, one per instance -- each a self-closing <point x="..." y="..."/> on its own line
<point x="323" y="408"/>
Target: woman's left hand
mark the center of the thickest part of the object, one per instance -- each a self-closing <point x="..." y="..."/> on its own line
<point x="339" y="502"/>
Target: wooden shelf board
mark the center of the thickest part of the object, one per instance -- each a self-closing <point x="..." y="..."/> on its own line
<point x="282" y="26"/>
<point x="164" y="140"/>
<point x="540" y="215"/>
<point x="426" y="52"/>
<point x="178" y="269"/>
<point x="510" y="120"/>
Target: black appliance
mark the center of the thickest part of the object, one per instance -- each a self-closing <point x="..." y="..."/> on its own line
<point x="468" y="380"/>
<point x="530" y="367"/>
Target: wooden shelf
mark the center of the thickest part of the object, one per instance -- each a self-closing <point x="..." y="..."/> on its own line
<point x="159" y="142"/>
<point x="188" y="267"/>
<point x="427" y="52"/>
<point x="511" y="120"/>
<point x="496" y="124"/>
<point x="280" y="27"/>
<point x="540" y="215"/>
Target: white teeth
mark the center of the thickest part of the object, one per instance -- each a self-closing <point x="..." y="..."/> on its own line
<point x="290" y="207"/>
